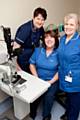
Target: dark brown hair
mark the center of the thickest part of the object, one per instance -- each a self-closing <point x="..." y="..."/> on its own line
<point x="41" y="11"/>
<point x="52" y="33"/>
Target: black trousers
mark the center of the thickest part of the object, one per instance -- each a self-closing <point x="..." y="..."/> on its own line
<point x="73" y="105"/>
<point x="47" y="102"/>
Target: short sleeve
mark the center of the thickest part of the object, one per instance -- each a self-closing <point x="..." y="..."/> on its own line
<point x="23" y="33"/>
<point x="34" y="56"/>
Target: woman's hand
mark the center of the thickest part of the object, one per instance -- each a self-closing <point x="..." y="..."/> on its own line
<point x="33" y="70"/>
<point x="16" y="45"/>
<point x="51" y="81"/>
<point x="54" y="79"/>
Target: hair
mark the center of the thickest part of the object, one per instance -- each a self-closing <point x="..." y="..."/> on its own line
<point x="41" y="11"/>
<point x="72" y="16"/>
<point x="54" y="34"/>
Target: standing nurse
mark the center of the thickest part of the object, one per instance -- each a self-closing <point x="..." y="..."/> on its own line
<point x="28" y="37"/>
<point x="69" y="70"/>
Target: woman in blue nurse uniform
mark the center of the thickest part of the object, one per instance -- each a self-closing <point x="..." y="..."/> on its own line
<point x="44" y="64"/>
<point x="69" y="69"/>
<point x="28" y="37"/>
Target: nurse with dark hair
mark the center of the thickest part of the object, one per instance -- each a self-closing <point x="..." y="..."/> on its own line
<point x="28" y="37"/>
<point x="44" y="64"/>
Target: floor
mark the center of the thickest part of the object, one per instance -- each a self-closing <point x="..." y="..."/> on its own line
<point x="57" y="111"/>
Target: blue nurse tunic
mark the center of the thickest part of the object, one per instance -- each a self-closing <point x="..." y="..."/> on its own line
<point x="69" y="59"/>
<point x="46" y="66"/>
<point x="28" y="38"/>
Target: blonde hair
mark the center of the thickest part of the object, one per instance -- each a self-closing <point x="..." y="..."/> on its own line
<point x="72" y="16"/>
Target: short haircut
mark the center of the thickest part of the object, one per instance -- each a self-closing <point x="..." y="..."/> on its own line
<point x="72" y="16"/>
<point x="54" y="34"/>
<point x="41" y="11"/>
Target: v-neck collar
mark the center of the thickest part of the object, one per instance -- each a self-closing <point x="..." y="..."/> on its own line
<point x="74" y="37"/>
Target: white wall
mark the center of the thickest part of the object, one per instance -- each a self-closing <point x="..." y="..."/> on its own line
<point x="15" y="12"/>
<point x="79" y="6"/>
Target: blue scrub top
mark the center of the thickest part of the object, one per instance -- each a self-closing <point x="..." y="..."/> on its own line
<point x="46" y="66"/>
<point x="28" y="38"/>
<point x="69" y="60"/>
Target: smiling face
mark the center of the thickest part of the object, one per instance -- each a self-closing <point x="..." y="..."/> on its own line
<point x="70" y="25"/>
<point x="38" y="21"/>
<point x="49" y="41"/>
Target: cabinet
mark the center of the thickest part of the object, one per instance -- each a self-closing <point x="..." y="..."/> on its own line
<point x="3" y="96"/>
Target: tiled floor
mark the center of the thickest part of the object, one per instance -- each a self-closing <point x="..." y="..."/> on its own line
<point x="57" y="111"/>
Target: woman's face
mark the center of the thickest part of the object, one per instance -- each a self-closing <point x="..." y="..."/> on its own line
<point x="70" y="27"/>
<point x="49" y="41"/>
<point x="38" y="21"/>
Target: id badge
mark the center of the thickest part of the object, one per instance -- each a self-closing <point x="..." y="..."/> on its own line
<point x="68" y="78"/>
